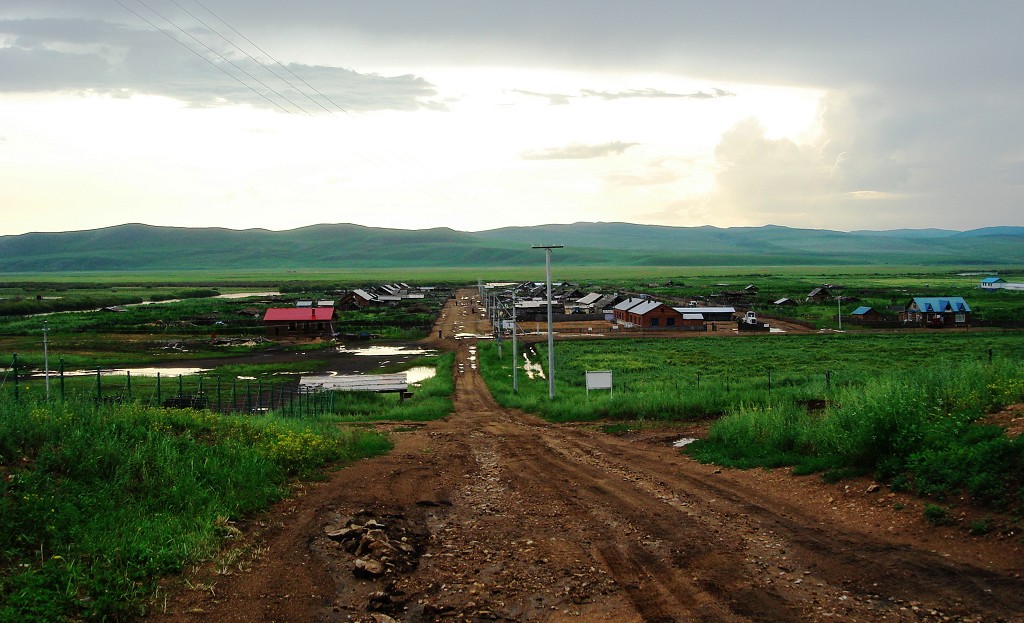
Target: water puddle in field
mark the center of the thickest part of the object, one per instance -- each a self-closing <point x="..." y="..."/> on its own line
<point x="533" y="370"/>
<point x="418" y="374"/>
<point x="467" y="336"/>
<point x="685" y="441"/>
<point x="384" y="351"/>
<point x="121" y="372"/>
<point x="144" y="371"/>
<point x="413" y="376"/>
<point x="245" y="295"/>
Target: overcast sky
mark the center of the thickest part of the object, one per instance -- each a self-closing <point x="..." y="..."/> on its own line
<point x="481" y="114"/>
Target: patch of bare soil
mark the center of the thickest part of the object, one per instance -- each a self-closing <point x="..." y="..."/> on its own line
<point x="494" y="515"/>
<point x="1011" y="419"/>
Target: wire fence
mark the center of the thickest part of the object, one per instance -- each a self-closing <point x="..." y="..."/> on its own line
<point x="181" y="391"/>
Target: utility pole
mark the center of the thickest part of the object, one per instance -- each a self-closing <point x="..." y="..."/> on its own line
<point x="515" y="361"/>
<point x="839" y="306"/>
<point x="46" y="361"/>
<point x="551" y="334"/>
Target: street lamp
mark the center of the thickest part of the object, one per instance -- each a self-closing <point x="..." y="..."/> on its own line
<point x="551" y="335"/>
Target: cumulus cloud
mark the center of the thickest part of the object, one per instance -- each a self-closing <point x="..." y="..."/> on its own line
<point x="760" y="176"/>
<point x="50" y="55"/>
<point x="579" y="151"/>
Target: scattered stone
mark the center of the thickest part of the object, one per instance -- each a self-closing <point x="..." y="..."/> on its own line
<point x="368" y="567"/>
<point x="873" y="487"/>
<point x="378" y="547"/>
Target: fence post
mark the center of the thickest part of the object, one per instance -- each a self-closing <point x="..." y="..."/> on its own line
<point x="62" y="379"/>
<point x="128" y="385"/>
<point x="769" y="381"/>
<point x="248" y="399"/>
<point x="259" y="396"/>
<point x="219" y="410"/>
<point x="234" y="394"/>
<point x="14" y="366"/>
<point x="159" y="398"/>
<point x="181" y="391"/>
<point x="99" y="385"/>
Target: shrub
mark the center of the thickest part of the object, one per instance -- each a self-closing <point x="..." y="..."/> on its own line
<point x="937" y="515"/>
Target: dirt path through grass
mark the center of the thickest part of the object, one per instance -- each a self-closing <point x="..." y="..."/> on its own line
<point x="493" y="514"/>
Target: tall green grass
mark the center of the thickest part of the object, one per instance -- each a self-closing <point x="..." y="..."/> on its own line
<point x="97" y="503"/>
<point x="710" y="376"/>
<point x="916" y="429"/>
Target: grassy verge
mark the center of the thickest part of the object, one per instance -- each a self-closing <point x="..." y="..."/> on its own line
<point x="916" y="430"/>
<point x="659" y="379"/>
<point x="97" y="503"/>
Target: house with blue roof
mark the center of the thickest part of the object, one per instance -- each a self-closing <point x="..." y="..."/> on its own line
<point x="998" y="283"/>
<point x="937" y="311"/>
<point x="866" y="314"/>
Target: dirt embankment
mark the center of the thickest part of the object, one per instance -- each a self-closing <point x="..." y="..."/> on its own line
<point x="494" y="515"/>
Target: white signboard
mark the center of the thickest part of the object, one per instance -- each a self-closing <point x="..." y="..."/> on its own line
<point x="599" y="379"/>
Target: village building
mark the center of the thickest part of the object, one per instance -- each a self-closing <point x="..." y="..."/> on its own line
<point x="357" y="299"/>
<point x="584" y="305"/>
<point x="785" y="302"/>
<point x="998" y="283"/>
<point x="692" y="321"/>
<point x="606" y="304"/>
<point x="299" y="322"/>
<point x="866" y="314"/>
<point x="620" y="308"/>
<point x="649" y="314"/>
<point x="933" y="311"/>
<point x="819" y="294"/>
<point x="710" y="314"/>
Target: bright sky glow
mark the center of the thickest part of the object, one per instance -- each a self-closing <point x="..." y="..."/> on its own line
<point x="661" y="117"/>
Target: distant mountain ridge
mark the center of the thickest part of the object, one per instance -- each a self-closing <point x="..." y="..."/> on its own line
<point x="138" y="247"/>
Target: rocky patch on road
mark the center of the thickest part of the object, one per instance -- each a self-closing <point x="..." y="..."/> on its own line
<point x="379" y="545"/>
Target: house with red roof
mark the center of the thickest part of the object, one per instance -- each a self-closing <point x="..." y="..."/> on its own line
<point x="299" y="322"/>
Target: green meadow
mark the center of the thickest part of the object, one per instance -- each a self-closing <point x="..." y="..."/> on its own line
<point x="905" y="408"/>
<point x="709" y="376"/>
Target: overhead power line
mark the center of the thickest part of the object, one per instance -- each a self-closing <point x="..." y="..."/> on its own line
<point x="454" y="200"/>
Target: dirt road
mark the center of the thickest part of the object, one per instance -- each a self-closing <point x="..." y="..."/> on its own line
<point x="495" y="515"/>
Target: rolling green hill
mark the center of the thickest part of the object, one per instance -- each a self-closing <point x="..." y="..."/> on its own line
<point x="136" y="247"/>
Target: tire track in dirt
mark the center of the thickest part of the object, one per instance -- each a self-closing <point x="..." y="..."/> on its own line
<point x="661" y="557"/>
<point x="908" y="572"/>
